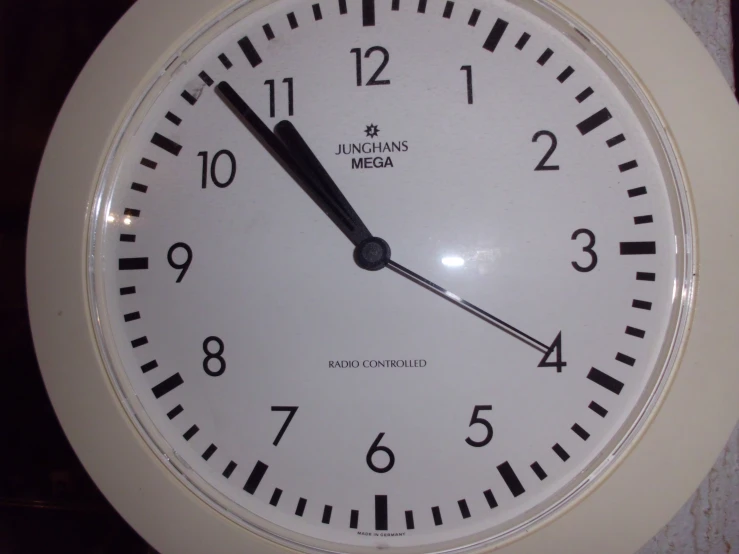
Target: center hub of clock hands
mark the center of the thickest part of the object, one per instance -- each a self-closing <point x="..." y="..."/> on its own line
<point x="371" y="253"/>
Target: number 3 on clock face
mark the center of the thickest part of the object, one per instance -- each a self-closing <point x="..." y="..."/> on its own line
<point x="409" y="275"/>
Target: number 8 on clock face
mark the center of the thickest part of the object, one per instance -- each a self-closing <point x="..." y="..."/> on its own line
<point x="402" y="274"/>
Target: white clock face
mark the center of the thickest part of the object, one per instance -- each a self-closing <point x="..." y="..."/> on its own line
<point x="504" y="158"/>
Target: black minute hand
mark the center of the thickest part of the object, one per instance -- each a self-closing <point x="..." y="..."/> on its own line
<point x="294" y="154"/>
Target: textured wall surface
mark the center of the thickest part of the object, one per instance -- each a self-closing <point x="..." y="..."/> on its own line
<point x="709" y="521"/>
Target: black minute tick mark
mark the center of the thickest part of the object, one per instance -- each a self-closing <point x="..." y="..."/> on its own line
<point x="584" y="95"/>
<point x="147" y="367"/>
<point x="225" y="61"/>
<point x="490" y="497"/>
<point x="250" y="52"/>
<point x="229" y="469"/>
<point x="448" y="7"/>
<point x="474" y="17"/>
<point x="545" y="57"/>
<point x="292" y="20"/>
<point x="268" y="31"/>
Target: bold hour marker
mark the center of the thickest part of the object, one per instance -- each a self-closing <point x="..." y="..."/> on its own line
<point x="229" y="469"/>
<point x="580" y="432"/>
<point x="168" y="145"/>
<point x="634" y="332"/>
<point x="268" y="31"/>
<point x="628" y="166"/>
<point x="448" y="7"/>
<point x="173" y="118"/>
<point x="168" y="385"/>
<point x="191" y="432"/>
<point x="205" y="78"/>
<point x="133" y="316"/>
<point x="584" y="95"/>
<point x="643" y="219"/>
<point x="598" y="409"/>
<point x="474" y="17"/>
<point x="540" y="473"/>
<point x="639" y="191"/>
<point x="209" y="452"/>
<point x="381" y="512"/>
<point x="464" y="509"/>
<point x="437" y="515"/>
<point x="292" y="20"/>
<point x="128" y="238"/>
<point x="250" y="52"/>
<point x="561" y="452"/>
<point x="354" y="519"/>
<point x="138" y="187"/>
<point x="255" y="477"/>
<point x="130" y="212"/>
<point x="641" y="305"/>
<point x="146" y="162"/>
<point x="594" y="121"/>
<point x="275" y="497"/>
<point x="189" y="97"/>
<point x="147" y="367"/>
<point x="509" y="476"/>
<point x="638" y="248"/>
<point x="128" y="290"/>
<point x="342" y="7"/>
<point x="300" y="510"/>
<point x="605" y="381"/>
<point x="317" y="15"/>
<point x="174" y="412"/>
<point x="566" y="74"/>
<point x="409" y="523"/>
<point x="642" y="276"/>
<point x="133" y="264"/>
<point x="395" y="5"/>
<point x="368" y="13"/>
<point x="624" y="359"/>
<point x="615" y="141"/>
<point x="545" y="57"/>
<point x="490" y="497"/>
<point x="523" y="41"/>
<point x="326" y="519"/>
<point x="225" y="61"/>
<point x="421" y="6"/>
<point x="141" y="341"/>
<point x="499" y="29"/>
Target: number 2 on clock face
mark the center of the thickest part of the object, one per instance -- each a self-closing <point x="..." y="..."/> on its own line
<point x="390" y="273"/>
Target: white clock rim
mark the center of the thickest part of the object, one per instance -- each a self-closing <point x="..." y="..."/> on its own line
<point x="642" y="492"/>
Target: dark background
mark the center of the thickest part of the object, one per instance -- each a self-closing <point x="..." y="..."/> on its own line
<point x="47" y="502"/>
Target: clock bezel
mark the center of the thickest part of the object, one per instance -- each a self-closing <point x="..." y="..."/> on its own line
<point x="74" y="169"/>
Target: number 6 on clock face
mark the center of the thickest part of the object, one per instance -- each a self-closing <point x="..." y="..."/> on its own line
<point x="410" y="276"/>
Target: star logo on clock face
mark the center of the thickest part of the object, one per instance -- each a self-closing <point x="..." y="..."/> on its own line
<point x="372" y="130"/>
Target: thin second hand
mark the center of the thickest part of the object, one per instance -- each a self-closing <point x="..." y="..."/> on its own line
<point x="408" y="274"/>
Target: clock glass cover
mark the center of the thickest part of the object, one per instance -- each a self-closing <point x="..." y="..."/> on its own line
<point x="516" y="171"/>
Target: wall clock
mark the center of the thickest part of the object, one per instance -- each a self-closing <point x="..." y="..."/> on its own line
<point x="403" y="275"/>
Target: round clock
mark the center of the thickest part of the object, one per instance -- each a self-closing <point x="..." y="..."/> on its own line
<point x="403" y="275"/>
